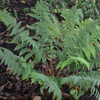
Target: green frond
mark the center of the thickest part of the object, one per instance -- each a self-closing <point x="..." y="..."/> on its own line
<point x="10" y="60"/>
<point x="74" y="59"/>
<point x="83" y="80"/>
<point x="47" y="82"/>
<point x="8" y="20"/>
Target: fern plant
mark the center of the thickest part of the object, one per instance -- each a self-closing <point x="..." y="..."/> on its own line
<point x="73" y="40"/>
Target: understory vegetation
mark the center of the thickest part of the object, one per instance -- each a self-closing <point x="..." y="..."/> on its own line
<point x="74" y="39"/>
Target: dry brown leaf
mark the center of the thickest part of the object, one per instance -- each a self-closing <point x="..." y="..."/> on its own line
<point x="26" y="17"/>
<point x="11" y="98"/>
<point x="3" y="98"/>
<point x="18" y="78"/>
<point x="37" y="98"/>
<point x="66" y="95"/>
<point x="19" y="97"/>
<point x="27" y="25"/>
<point x="1" y="88"/>
<point x="2" y="33"/>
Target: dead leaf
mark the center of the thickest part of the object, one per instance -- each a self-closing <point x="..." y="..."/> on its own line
<point x="37" y="98"/>
<point x="66" y="95"/>
<point x="3" y="33"/>
<point x="18" y="79"/>
<point x="99" y="70"/>
<point x="1" y="88"/>
<point x="11" y="98"/>
<point x="31" y="18"/>
<point x="19" y="97"/>
<point x="27" y="25"/>
<point x="26" y="17"/>
<point x="22" y="1"/>
<point x="3" y="98"/>
<point x="18" y="86"/>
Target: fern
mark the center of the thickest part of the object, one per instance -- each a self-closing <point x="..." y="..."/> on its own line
<point x="77" y="36"/>
<point x="71" y="60"/>
<point x="10" y="60"/>
<point x="8" y="20"/>
<point x="81" y="38"/>
<point x="47" y="82"/>
<point x="84" y="81"/>
<point x="72" y="40"/>
<point x="19" y="65"/>
<point x="20" y="34"/>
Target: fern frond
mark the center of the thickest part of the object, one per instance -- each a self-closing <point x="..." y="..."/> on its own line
<point x="71" y="60"/>
<point x="7" y="19"/>
<point x="9" y="59"/>
<point x="47" y="82"/>
<point x="83" y="80"/>
<point x="18" y="64"/>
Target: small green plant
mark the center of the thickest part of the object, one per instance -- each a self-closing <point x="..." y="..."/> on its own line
<point x="73" y="40"/>
<point x="26" y="10"/>
<point x="15" y="13"/>
<point x="76" y="93"/>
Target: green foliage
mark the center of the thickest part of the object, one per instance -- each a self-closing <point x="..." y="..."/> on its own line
<point x="90" y="8"/>
<point x="48" y="81"/>
<point x="87" y="80"/>
<point x="10" y="60"/>
<point x="26" y="9"/>
<point x="3" y="2"/>
<point x="71" y="60"/>
<point x="55" y="5"/>
<point x="15" y="13"/>
<point x="73" y="40"/>
<point x="8" y="21"/>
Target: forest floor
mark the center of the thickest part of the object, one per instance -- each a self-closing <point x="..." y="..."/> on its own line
<point x="13" y="88"/>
